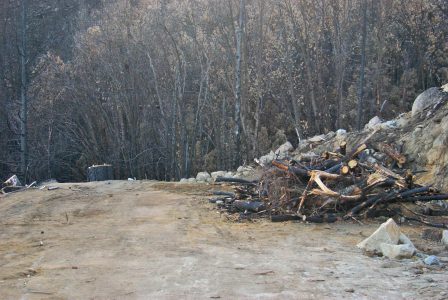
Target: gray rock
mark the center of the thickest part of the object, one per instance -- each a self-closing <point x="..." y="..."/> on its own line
<point x="445" y="237"/>
<point x="184" y="180"/>
<point x="192" y="180"/>
<point x="426" y="99"/>
<point x="389" y="124"/>
<point x="317" y="138"/>
<point x="432" y="260"/>
<point x="218" y="174"/>
<point x="397" y="251"/>
<point x="388" y="233"/>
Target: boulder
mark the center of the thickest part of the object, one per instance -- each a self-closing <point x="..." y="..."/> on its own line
<point x="218" y="174"/>
<point x="184" y="180"/>
<point x="13" y="181"/>
<point x="341" y="132"/>
<point x="445" y="237"/>
<point x="229" y="174"/>
<point x="427" y="98"/>
<point x="266" y="159"/>
<point x="203" y="177"/>
<point x="283" y="150"/>
<point x="388" y="233"/>
<point x="397" y="251"/>
<point x="192" y="180"/>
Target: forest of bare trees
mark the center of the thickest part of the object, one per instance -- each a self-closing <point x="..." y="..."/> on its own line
<point x="162" y="89"/>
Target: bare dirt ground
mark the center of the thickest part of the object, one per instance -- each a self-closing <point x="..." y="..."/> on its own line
<point x="147" y="240"/>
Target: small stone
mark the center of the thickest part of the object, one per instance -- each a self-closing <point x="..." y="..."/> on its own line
<point x="432" y="260"/>
<point x="350" y="290"/>
<point x="397" y="251"/>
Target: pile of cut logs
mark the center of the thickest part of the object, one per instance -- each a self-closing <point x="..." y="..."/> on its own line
<point x="368" y="181"/>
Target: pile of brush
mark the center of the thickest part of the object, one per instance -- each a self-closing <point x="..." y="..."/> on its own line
<point x="365" y="182"/>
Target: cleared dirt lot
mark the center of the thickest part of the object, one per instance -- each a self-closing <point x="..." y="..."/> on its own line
<point x="146" y="240"/>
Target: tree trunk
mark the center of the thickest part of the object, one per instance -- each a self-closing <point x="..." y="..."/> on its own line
<point x="23" y="94"/>
<point x="363" y="63"/>
<point x="239" y="39"/>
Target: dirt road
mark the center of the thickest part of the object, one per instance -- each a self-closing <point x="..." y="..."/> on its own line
<point x="144" y="240"/>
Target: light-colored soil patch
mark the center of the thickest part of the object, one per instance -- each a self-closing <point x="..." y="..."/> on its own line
<point x="146" y="240"/>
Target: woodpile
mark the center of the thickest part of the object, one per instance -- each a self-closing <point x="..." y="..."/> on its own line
<point x="339" y="184"/>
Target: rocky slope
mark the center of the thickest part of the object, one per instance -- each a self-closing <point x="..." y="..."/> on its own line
<point x="421" y="134"/>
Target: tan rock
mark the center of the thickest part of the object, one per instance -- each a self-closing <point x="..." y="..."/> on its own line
<point x="388" y="233"/>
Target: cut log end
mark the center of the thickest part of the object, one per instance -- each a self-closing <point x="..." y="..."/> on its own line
<point x="345" y="170"/>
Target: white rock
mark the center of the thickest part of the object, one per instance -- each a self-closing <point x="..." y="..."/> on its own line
<point x="285" y="148"/>
<point x="13" y="181"/>
<point x="397" y="251"/>
<point x="388" y="233"/>
<point x="184" y="180"/>
<point x="267" y="159"/>
<point x="341" y="132"/>
<point x="445" y="237"/>
<point x="445" y="88"/>
<point x="203" y="177"/>
<point x="192" y="180"/>
<point x="375" y="121"/>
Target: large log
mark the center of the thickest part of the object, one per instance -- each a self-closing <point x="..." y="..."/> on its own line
<point x="100" y="173"/>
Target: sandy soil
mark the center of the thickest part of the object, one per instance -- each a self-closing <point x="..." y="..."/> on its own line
<point x="146" y="240"/>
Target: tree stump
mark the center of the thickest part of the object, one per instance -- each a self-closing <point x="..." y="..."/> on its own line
<point x="100" y="173"/>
